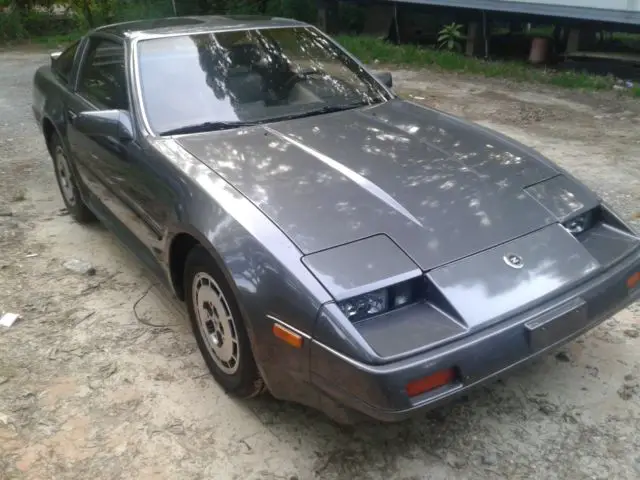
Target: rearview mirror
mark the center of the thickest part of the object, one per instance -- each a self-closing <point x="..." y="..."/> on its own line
<point x="385" y="78"/>
<point x="105" y="123"/>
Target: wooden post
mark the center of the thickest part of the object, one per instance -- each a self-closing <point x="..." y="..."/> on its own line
<point x="486" y="33"/>
<point x="478" y="35"/>
<point x="328" y="15"/>
<point x="474" y="32"/>
<point x="379" y="18"/>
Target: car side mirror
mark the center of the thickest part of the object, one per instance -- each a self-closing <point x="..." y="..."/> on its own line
<point x="385" y="78"/>
<point x="105" y="123"/>
<point x="53" y="56"/>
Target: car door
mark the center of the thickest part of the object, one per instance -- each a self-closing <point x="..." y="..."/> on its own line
<point x="93" y="91"/>
<point x="108" y="166"/>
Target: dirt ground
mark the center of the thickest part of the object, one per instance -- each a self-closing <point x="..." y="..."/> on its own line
<point x="89" y="390"/>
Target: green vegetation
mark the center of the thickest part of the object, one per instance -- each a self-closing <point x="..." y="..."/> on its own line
<point x="55" y="41"/>
<point x="29" y="20"/>
<point x="450" y="37"/>
<point x="22" y="20"/>
<point x="37" y="21"/>
<point x="370" y="50"/>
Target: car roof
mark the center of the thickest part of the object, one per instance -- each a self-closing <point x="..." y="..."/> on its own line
<point x="191" y="24"/>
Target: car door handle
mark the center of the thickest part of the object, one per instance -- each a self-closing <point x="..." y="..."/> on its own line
<point x="72" y="115"/>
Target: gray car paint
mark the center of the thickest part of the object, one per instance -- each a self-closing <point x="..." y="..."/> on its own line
<point x="418" y="190"/>
<point x="361" y="272"/>
<point x="414" y="174"/>
<point x="481" y="290"/>
<point x="378" y="390"/>
<point x="485" y="289"/>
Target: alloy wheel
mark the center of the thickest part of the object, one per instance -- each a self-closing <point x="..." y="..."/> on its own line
<point x="216" y="323"/>
<point x="64" y="176"/>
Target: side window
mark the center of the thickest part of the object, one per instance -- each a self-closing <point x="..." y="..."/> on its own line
<point x="103" y="78"/>
<point x="63" y="65"/>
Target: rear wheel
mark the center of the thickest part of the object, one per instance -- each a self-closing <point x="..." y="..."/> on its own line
<point x="67" y="183"/>
<point x="219" y="327"/>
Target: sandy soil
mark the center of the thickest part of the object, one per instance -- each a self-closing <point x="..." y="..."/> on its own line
<point x="89" y="390"/>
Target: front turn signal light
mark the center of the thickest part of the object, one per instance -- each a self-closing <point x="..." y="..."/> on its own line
<point x="287" y="335"/>
<point x="633" y="281"/>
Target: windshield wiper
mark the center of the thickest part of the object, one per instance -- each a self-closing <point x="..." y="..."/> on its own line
<point x="213" y="126"/>
<point x="206" y="127"/>
<point x="325" y="109"/>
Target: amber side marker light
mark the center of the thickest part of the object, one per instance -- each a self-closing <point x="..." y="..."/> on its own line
<point x="433" y="381"/>
<point x="633" y="280"/>
<point x="287" y="335"/>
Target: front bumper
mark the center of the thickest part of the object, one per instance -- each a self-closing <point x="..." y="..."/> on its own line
<point x="379" y="391"/>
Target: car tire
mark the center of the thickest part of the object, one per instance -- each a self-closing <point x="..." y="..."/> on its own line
<point x="219" y="327"/>
<point x="67" y="183"/>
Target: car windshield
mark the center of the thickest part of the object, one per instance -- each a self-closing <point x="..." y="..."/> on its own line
<point x="226" y="79"/>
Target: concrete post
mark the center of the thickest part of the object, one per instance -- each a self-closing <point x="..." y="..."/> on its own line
<point x="573" y="42"/>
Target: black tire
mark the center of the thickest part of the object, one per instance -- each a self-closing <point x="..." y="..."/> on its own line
<point x="67" y="183"/>
<point x="241" y="378"/>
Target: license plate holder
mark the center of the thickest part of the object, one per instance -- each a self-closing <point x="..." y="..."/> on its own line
<point x="546" y="330"/>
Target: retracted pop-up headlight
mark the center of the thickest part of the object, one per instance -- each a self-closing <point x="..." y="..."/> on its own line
<point x="380" y="301"/>
<point x="580" y="223"/>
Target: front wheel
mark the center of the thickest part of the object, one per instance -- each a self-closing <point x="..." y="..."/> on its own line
<point x="219" y="327"/>
<point x="67" y="183"/>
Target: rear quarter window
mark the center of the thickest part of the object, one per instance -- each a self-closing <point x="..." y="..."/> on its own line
<point x="63" y="65"/>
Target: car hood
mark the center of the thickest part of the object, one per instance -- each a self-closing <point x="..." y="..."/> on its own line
<point x="439" y="187"/>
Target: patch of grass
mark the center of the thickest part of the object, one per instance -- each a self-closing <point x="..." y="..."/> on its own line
<point x="629" y="39"/>
<point x="53" y="41"/>
<point x="370" y="49"/>
<point x="58" y="39"/>
<point x="46" y="41"/>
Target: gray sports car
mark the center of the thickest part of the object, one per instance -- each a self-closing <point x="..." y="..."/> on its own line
<point x="334" y="244"/>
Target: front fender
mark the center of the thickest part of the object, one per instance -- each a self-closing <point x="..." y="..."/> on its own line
<point x="261" y="264"/>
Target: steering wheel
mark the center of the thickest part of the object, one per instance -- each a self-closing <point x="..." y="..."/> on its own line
<point x="301" y="75"/>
